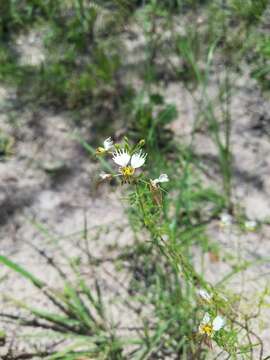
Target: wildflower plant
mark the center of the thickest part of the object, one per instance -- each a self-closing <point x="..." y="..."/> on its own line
<point x="186" y="316"/>
<point x="216" y="321"/>
<point x="148" y="203"/>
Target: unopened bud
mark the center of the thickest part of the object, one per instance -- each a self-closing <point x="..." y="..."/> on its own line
<point x="142" y="143"/>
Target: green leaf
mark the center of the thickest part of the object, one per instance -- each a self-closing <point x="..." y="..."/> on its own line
<point x="20" y="270"/>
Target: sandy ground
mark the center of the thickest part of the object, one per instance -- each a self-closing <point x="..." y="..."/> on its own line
<point x="50" y="180"/>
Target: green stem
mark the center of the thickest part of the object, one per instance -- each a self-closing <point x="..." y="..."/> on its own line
<point x="175" y="258"/>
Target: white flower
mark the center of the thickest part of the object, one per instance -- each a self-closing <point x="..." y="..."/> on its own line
<point x="205" y="295"/>
<point x="250" y="225"/>
<point x="209" y="327"/>
<point x="108" y="143"/>
<point x="161" y="179"/>
<point x="205" y="326"/>
<point x="225" y="220"/>
<point x="121" y="157"/>
<point x="105" y="176"/>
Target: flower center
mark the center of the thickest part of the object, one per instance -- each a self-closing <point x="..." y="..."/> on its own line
<point x="207" y="329"/>
<point x="127" y="171"/>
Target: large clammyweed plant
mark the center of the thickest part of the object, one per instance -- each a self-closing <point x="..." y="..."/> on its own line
<point x="215" y="317"/>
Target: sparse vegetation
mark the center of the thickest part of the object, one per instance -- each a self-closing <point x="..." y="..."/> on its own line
<point x="108" y="65"/>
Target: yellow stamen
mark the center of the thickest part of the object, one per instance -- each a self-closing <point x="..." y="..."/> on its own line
<point x="207" y="329"/>
<point x="127" y="171"/>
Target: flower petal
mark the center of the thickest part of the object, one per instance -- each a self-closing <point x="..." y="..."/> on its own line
<point x="205" y="295"/>
<point x="206" y="319"/>
<point x="218" y="323"/>
<point x="163" y="178"/>
<point x="105" y="176"/>
<point x="121" y="157"/>
<point x="138" y="159"/>
<point x="108" y="144"/>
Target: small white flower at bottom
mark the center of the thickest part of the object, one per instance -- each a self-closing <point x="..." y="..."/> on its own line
<point x="209" y="327"/>
<point x="218" y="323"/>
